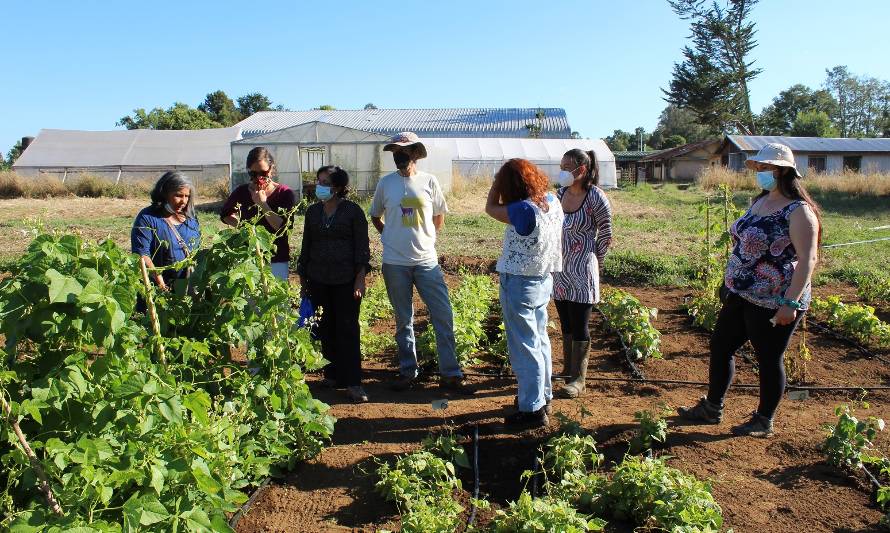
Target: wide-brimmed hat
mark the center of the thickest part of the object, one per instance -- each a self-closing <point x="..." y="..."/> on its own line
<point x="406" y="138"/>
<point x="774" y="154"/>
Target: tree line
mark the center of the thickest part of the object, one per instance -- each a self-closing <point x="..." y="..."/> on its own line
<point x="708" y="94"/>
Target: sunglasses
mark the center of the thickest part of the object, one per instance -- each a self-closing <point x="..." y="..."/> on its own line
<point x="257" y="173"/>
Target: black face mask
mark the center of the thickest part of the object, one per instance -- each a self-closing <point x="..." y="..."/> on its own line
<point x="401" y="159"/>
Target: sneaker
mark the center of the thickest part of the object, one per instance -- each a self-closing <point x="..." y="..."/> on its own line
<point x="526" y="420"/>
<point x="547" y="408"/>
<point x="759" y="426"/>
<point x="456" y="384"/>
<point x="330" y="383"/>
<point x="403" y="383"/>
<point x="704" y="411"/>
<point x="356" y="394"/>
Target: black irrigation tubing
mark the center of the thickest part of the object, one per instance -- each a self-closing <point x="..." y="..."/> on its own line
<point x="475" y="476"/>
<point x="871" y="477"/>
<point x="246" y="507"/>
<point x="634" y="369"/>
<point x="825" y="328"/>
<point x="535" y="466"/>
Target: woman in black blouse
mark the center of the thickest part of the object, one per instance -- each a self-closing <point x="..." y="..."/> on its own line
<point x="332" y="267"/>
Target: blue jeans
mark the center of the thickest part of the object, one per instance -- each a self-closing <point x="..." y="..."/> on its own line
<point x="400" y="282"/>
<point x="524" y="302"/>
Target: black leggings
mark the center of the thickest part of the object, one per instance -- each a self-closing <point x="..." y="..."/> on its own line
<point x="574" y="319"/>
<point x="741" y="321"/>
<point x="339" y="331"/>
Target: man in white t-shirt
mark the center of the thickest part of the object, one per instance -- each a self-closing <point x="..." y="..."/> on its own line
<point x="408" y="209"/>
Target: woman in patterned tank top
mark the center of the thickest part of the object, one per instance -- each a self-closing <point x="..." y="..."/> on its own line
<point x="766" y="288"/>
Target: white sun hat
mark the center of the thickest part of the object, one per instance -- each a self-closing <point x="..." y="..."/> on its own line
<point x="774" y="154"/>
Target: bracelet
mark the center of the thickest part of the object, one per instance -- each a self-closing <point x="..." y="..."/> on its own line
<point x="794" y="304"/>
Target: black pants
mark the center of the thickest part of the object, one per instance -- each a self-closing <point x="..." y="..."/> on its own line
<point x="740" y="321"/>
<point x="339" y="331"/>
<point x="574" y="319"/>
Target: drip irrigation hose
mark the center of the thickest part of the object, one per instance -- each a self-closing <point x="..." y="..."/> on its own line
<point x="246" y="507"/>
<point x="634" y="369"/>
<point x="475" y="475"/>
<point x="535" y="466"/>
<point x="825" y="328"/>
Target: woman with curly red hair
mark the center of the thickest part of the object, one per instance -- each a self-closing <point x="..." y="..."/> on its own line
<point x="532" y="250"/>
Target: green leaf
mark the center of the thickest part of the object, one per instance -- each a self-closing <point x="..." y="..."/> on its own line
<point x="204" y="479"/>
<point x="198" y="403"/>
<point x="152" y="511"/>
<point x="61" y="288"/>
<point x="158" y="473"/>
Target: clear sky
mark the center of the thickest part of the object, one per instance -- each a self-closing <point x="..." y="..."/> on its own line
<point x="85" y="64"/>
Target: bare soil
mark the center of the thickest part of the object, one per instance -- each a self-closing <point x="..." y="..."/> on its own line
<point x="777" y="484"/>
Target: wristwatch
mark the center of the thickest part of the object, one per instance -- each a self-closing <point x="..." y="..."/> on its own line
<point x="793" y="304"/>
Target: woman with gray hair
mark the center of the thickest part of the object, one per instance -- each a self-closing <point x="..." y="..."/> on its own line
<point x="167" y="231"/>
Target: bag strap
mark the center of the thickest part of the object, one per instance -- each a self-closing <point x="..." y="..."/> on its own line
<point x="179" y="239"/>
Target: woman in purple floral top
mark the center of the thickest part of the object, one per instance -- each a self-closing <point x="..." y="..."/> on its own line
<point x="766" y="288"/>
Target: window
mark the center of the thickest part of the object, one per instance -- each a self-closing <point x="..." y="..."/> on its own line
<point x="816" y="163"/>
<point x="737" y="160"/>
<point x="853" y="163"/>
<point x="312" y="158"/>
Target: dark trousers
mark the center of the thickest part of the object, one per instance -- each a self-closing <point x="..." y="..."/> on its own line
<point x="339" y="332"/>
<point x="574" y="319"/>
<point x="739" y="321"/>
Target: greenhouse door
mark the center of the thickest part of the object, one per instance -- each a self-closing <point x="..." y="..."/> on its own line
<point x="311" y="159"/>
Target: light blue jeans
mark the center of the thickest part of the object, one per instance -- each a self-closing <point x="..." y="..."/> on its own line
<point x="524" y="302"/>
<point x="400" y="282"/>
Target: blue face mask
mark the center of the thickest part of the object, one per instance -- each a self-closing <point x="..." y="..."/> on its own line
<point x="323" y="192"/>
<point x="766" y="180"/>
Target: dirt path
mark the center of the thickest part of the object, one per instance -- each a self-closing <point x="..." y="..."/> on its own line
<point x="779" y="484"/>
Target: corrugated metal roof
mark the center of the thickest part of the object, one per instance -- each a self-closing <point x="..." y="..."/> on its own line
<point x="633" y="155"/>
<point x="458" y="122"/>
<point x="683" y="150"/>
<point x="151" y="148"/>
<point x="753" y="143"/>
<point x="501" y="149"/>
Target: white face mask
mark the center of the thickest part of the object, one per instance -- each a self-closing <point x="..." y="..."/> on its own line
<point x="565" y="178"/>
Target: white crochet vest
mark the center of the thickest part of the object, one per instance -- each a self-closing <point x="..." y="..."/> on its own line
<point x="540" y="252"/>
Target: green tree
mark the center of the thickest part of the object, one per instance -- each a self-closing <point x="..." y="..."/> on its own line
<point x="179" y="116"/>
<point x="673" y="141"/>
<point x="813" y="123"/>
<point x="713" y="78"/>
<point x="619" y="141"/>
<point x="220" y="108"/>
<point x="863" y="103"/>
<point x="678" y="121"/>
<point x="326" y="108"/>
<point x="252" y="103"/>
<point x="13" y="154"/>
<point x="778" y="117"/>
<point x="370" y="106"/>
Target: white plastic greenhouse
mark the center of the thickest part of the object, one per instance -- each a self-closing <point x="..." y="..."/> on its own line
<point x="299" y="150"/>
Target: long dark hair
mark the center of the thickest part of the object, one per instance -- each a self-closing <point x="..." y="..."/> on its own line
<point x="580" y="157"/>
<point x="169" y="183"/>
<point x="791" y="187"/>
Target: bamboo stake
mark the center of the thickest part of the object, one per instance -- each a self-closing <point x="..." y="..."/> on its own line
<point x="35" y="463"/>
<point x="152" y="313"/>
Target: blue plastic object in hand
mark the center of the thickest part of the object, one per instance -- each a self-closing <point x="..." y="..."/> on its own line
<point x="307" y="311"/>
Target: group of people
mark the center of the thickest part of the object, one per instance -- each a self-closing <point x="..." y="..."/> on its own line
<point x="554" y="247"/>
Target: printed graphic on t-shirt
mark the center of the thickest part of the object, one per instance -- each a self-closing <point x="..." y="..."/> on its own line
<point x="412" y="211"/>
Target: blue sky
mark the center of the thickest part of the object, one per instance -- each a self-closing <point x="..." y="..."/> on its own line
<point x="85" y="64"/>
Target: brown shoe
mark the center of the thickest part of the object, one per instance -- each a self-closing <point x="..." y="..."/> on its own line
<point x="456" y="384"/>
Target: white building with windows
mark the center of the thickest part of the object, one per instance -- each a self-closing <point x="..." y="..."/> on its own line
<point x="813" y="154"/>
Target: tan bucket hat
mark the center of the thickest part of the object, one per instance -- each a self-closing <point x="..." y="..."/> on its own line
<point x="774" y="154"/>
<point x="406" y="138"/>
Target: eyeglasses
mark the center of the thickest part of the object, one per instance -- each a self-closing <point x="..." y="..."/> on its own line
<point x="258" y="173"/>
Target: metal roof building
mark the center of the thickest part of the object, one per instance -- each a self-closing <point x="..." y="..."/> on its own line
<point x="129" y="154"/>
<point x="427" y="123"/>
<point x="818" y="154"/>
